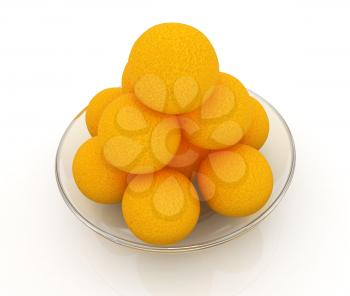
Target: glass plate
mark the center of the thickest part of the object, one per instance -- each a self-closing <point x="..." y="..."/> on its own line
<point x="212" y="229"/>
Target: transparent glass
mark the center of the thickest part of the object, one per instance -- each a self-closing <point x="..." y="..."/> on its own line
<point x="212" y="229"/>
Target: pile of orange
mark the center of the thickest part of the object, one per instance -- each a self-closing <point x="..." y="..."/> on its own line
<point x="176" y="119"/>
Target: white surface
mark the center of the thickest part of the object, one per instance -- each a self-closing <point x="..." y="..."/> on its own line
<point x="55" y="55"/>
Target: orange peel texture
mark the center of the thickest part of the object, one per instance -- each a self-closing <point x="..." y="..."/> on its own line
<point x="224" y="117"/>
<point x="235" y="182"/>
<point x="136" y="139"/>
<point x="161" y="208"/>
<point x="171" y="67"/>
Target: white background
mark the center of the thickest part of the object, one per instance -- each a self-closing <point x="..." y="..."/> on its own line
<point x="54" y="56"/>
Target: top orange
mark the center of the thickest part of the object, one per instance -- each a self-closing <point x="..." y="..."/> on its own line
<point x="171" y="68"/>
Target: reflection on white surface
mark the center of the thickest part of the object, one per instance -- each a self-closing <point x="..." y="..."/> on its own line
<point x="226" y="269"/>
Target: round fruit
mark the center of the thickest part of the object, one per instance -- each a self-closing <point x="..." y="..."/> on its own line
<point x="136" y="139"/>
<point x="259" y="128"/>
<point x="95" y="178"/>
<point x="187" y="158"/>
<point x="161" y="208"/>
<point x="97" y="105"/>
<point x="223" y="118"/>
<point x="235" y="182"/>
<point x="171" y="67"/>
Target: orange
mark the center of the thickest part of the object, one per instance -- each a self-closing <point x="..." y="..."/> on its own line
<point x="223" y="119"/>
<point x="259" y="128"/>
<point x="95" y="178"/>
<point x="171" y="68"/>
<point x="235" y="182"/>
<point x="96" y="106"/>
<point x="161" y="208"/>
<point x="136" y="139"/>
